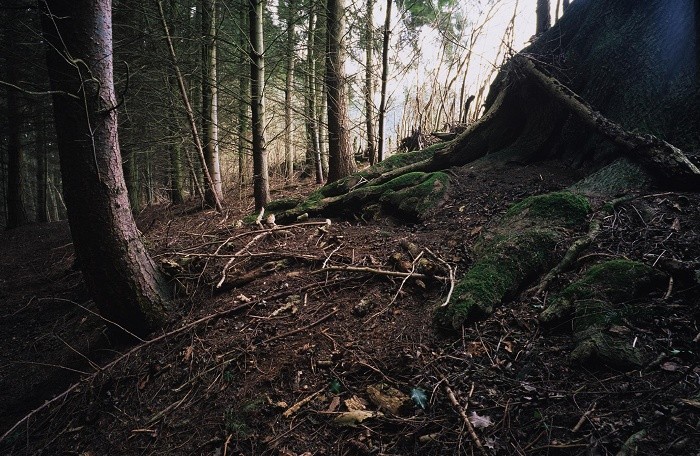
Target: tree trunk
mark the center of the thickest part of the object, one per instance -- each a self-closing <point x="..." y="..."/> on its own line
<point x="261" y="183"/>
<point x="124" y="281"/>
<point x="196" y="139"/>
<point x="288" y="91"/>
<point x="16" y="213"/>
<point x="544" y="19"/>
<point x="210" y="103"/>
<point x="341" y="162"/>
<point x="41" y="166"/>
<point x="312" y="130"/>
<point x="385" y="74"/>
<point x="369" y="83"/>
<point x="244" y="104"/>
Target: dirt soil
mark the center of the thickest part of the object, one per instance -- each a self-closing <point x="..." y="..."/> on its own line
<point x="272" y="361"/>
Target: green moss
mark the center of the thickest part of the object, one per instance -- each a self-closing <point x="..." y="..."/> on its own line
<point x="414" y="201"/>
<point x="283" y="204"/>
<point x="506" y="264"/>
<point x="560" y="208"/>
<point x="611" y="282"/>
<point x="614" y="179"/>
<point x="595" y="347"/>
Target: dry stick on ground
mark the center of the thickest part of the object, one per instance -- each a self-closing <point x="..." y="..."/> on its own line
<point x="182" y="329"/>
<point x="403" y="282"/>
<point x="303" y="328"/>
<point x="376" y="271"/>
<point x="462" y="412"/>
<point x="451" y="271"/>
<point x="237" y="254"/>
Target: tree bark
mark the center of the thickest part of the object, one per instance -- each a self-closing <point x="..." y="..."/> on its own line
<point x="243" y="105"/>
<point x="544" y="19"/>
<point x="261" y="182"/>
<point x="312" y="133"/>
<point x="42" y="214"/>
<point x="124" y="281"/>
<point x="196" y="139"/>
<point x="288" y="91"/>
<point x="658" y="156"/>
<point x="385" y="74"/>
<point x="210" y="103"/>
<point x="341" y="162"/>
<point x="16" y="213"/>
<point x="369" y="83"/>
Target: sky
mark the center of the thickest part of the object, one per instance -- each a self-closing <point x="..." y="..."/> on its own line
<point x="484" y="52"/>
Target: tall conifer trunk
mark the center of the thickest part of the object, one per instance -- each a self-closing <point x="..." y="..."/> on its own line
<point x="124" y="281"/>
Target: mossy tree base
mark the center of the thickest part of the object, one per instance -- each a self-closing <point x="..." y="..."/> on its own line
<point x="409" y="196"/>
<point x="600" y="299"/>
<point x="510" y="255"/>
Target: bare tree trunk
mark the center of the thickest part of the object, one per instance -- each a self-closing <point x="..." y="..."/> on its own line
<point x="385" y="74"/>
<point x="288" y="91"/>
<point x="243" y="105"/>
<point x="341" y="162"/>
<point x="544" y="19"/>
<point x="188" y="108"/>
<point x="124" y="281"/>
<point x="41" y="166"/>
<point x="16" y="213"/>
<point x="369" y="83"/>
<point x="313" y="147"/>
<point x="261" y="182"/>
<point x="210" y="103"/>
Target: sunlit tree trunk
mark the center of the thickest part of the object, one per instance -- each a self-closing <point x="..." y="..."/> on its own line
<point x="312" y="131"/>
<point x="196" y="138"/>
<point x="341" y="162"/>
<point x="288" y="91"/>
<point x="124" y="281"/>
<point x="210" y="103"/>
<point x="385" y="74"/>
<point x="369" y="83"/>
<point x="261" y="182"/>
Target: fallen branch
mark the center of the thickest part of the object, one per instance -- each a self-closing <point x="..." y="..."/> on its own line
<point x="303" y="328"/>
<point x="451" y="271"/>
<point x="295" y="408"/>
<point x="569" y="259"/>
<point x="383" y="272"/>
<point x="462" y="412"/>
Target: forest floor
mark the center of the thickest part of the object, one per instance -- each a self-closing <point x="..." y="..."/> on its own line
<point x="297" y="355"/>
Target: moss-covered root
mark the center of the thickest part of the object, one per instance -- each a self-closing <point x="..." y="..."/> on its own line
<point x="410" y="197"/>
<point x="509" y="262"/>
<point x="520" y="247"/>
<point x="613" y="282"/>
<point x="591" y="305"/>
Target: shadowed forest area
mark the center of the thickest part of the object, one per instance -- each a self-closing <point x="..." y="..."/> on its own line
<point x="350" y="227"/>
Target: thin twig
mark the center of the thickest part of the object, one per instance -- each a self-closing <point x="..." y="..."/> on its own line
<point x="462" y="412"/>
<point x="303" y="328"/>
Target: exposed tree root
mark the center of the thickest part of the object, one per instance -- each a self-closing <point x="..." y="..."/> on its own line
<point x="658" y="156"/>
